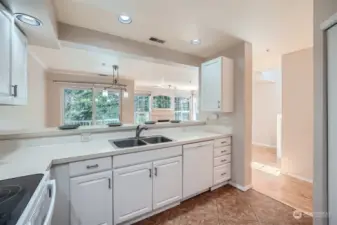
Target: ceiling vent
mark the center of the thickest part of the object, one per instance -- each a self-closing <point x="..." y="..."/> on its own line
<point x="157" y="40"/>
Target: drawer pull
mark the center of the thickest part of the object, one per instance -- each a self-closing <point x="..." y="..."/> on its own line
<point x="224" y="142"/>
<point x="223" y="151"/>
<point x="223" y="174"/>
<point x="224" y="160"/>
<point x="92" y="166"/>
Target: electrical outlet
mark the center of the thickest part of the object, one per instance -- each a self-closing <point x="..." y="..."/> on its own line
<point x="85" y="137"/>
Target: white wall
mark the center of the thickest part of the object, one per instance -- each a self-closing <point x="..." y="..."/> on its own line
<point x="266" y="105"/>
<point x="31" y="116"/>
<point x="297" y="114"/>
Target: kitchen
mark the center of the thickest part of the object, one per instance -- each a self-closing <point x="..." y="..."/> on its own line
<point x="116" y="174"/>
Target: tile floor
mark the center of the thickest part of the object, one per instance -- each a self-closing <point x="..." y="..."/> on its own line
<point x="228" y="206"/>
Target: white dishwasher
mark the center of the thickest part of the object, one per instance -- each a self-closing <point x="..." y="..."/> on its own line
<point x="197" y="168"/>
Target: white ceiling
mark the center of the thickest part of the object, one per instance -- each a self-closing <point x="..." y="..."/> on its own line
<point x="282" y="26"/>
<point x="144" y="73"/>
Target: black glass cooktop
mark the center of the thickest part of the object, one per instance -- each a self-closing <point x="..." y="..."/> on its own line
<point x="15" y="194"/>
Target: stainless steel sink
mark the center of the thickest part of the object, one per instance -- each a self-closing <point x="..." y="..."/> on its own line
<point x="156" y="139"/>
<point x="134" y="142"/>
<point x="127" y="143"/>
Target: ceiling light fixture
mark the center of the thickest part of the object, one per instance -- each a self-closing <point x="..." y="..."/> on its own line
<point x="116" y="84"/>
<point x="27" y="19"/>
<point x="196" y="42"/>
<point x="125" y="19"/>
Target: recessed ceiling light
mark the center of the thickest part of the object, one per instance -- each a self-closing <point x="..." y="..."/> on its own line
<point x="123" y="18"/>
<point x="196" y="42"/>
<point x="27" y="19"/>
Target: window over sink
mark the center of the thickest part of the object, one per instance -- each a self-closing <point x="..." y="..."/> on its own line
<point x="88" y="106"/>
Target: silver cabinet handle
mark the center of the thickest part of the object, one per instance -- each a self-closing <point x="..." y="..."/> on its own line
<point x="15" y="90"/>
<point x="92" y="166"/>
<point x="155" y="171"/>
<point x="223" y="174"/>
<point x="224" y="160"/>
<point x="224" y="142"/>
<point x="219" y="104"/>
<point x="223" y="151"/>
<point x="109" y="180"/>
<point x="150" y="173"/>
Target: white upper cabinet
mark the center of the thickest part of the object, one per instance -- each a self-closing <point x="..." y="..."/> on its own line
<point x="13" y="63"/>
<point x="19" y="67"/>
<point x="132" y="192"/>
<point x="167" y="182"/>
<point x="217" y="85"/>
<point x="91" y="199"/>
<point x="5" y="38"/>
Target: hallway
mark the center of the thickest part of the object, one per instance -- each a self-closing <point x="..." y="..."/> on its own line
<point x="267" y="179"/>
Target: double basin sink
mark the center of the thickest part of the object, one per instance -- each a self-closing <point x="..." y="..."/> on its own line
<point x="135" y="142"/>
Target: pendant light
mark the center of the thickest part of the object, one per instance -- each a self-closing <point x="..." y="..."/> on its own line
<point x="116" y="84"/>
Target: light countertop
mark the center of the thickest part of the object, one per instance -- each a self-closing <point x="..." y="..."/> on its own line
<point x="55" y="132"/>
<point x="31" y="160"/>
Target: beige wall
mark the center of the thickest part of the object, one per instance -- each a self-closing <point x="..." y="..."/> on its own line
<point x="31" y="116"/>
<point x="297" y="114"/>
<point x="323" y="9"/>
<point x="54" y="93"/>
<point x="241" y="118"/>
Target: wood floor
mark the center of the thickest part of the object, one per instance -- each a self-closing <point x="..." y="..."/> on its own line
<point x="268" y="180"/>
<point x="229" y="206"/>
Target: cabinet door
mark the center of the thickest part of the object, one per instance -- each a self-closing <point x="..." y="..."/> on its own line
<point x="211" y="73"/>
<point x="198" y="168"/>
<point x="91" y="199"/>
<point x="132" y="192"/>
<point x="167" y="182"/>
<point x="19" y="66"/>
<point x="5" y="37"/>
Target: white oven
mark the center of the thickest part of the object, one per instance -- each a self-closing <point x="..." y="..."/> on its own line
<point x="40" y="208"/>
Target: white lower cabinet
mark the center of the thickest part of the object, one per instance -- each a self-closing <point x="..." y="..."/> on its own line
<point x="132" y="192"/>
<point x="167" y="182"/>
<point x="91" y="199"/>
<point x="142" y="188"/>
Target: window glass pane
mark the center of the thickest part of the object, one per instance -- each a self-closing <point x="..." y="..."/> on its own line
<point x="107" y="108"/>
<point x="161" y="102"/>
<point x="142" y="108"/>
<point x="182" y="108"/>
<point x="78" y="106"/>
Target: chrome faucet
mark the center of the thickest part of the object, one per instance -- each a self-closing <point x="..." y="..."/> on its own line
<point x="139" y="130"/>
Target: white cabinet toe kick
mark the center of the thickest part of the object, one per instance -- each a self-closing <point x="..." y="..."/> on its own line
<point x="127" y="188"/>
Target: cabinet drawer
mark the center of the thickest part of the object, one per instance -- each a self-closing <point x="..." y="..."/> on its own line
<point x="222" y="151"/>
<point x="222" y="142"/>
<point x="90" y="166"/>
<point x="221" y="173"/>
<point x="222" y="160"/>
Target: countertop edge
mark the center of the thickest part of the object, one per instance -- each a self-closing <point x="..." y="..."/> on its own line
<point x="48" y="132"/>
<point x="133" y="150"/>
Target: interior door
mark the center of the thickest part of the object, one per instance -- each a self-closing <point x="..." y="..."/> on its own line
<point x="167" y="182"/>
<point x="211" y="85"/>
<point x="91" y="199"/>
<point x="132" y="192"/>
<point x="332" y="122"/>
<point x="5" y="37"/>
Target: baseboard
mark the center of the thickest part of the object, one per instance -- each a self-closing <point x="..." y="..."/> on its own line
<point x="264" y="145"/>
<point x="298" y="177"/>
<point x="240" y="187"/>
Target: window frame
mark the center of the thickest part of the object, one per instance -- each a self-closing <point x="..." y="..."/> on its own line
<point x="150" y="106"/>
<point x="95" y="91"/>
<point x="190" y="111"/>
